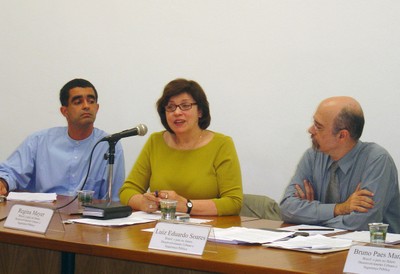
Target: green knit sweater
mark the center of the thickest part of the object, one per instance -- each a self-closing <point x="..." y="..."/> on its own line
<point x="208" y="172"/>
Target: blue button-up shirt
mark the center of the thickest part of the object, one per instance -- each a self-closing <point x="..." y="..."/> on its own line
<point x="50" y="161"/>
<point x="367" y="163"/>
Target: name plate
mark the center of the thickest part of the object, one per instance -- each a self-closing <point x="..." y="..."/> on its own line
<point x="372" y="260"/>
<point x="178" y="237"/>
<point x="29" y="218"/>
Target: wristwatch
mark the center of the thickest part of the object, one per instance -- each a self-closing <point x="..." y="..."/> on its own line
<point x="189" y="205"/>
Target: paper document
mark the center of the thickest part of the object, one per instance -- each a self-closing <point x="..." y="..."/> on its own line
<point x="130" y="220"/>
<point x="32" y="197"/>
<point x="243" y="235"/>
<point x="316" y="243"/>
<point x="157" y="216"/>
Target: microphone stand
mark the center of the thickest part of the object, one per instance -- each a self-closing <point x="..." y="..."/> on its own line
<point x="110" y="157"/>
<point x="109" y="209"/>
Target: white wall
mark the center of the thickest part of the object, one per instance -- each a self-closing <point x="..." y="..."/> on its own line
<point x="265" y="65"/>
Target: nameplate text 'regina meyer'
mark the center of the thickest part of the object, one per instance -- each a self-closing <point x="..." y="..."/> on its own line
<point x="372" y="260"/>
<point x="29" y="218"/>
<point x="178" y="237"/>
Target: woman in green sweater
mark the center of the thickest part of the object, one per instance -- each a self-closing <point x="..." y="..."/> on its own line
<point x="197" y="167"/>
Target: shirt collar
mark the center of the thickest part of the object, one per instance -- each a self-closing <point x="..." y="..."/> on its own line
<point x="78" y="142"/>
<point x="346" y="162"/>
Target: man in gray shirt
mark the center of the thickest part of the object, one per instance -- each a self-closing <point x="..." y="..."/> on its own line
<point x="367" y="188"/>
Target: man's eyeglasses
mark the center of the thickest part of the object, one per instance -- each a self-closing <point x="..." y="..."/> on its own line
<point x="183" y="107"/>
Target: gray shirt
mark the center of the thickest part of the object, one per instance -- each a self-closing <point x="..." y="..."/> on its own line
<point x="367" y="163"/>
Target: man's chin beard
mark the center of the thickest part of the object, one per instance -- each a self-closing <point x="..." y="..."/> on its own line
<point x="315" y="145"/>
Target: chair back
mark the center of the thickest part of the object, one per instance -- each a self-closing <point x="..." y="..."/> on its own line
<point x="261" y="207"/>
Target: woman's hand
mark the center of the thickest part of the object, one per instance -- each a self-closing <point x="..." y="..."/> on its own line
<point x="147" y="202"/>
<point x="172" y="195"/>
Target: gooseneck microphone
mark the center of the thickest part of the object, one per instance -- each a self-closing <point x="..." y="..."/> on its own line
<point x="140" y="130"/>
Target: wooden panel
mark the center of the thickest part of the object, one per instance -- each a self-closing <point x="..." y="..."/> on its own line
<point x="90" y="264"/>
<point x="18" y="259"/>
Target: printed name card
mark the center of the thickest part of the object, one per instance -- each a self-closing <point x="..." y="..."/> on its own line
<point x="178" y="237"/>
<point x="372" y="260"/>
<point x="29" y="218"/>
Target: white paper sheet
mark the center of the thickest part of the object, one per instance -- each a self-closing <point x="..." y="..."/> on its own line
<point x="157" y="216"/>
<point x="130" y="220"/>
<point x="137" y="217"/>
<point x="32" y="197"/>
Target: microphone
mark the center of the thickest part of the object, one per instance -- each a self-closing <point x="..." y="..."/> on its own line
<point x="140" y="130"/>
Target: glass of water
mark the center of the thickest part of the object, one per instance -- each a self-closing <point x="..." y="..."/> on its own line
<point x="377" y="232"/>
<point x="168" y="209"/>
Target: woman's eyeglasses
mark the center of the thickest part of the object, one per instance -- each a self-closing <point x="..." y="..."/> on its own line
<point x="183" y="107"/>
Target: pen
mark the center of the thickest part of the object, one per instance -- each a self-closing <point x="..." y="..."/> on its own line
<point x="315" y="229"/>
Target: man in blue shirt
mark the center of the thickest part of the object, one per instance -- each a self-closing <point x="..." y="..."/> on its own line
<point x="56" y="160"/>
<point x="368" y="189"/>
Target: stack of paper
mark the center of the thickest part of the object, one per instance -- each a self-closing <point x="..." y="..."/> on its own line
<point x="243" y="235"/>
<point x="316" y="244"/>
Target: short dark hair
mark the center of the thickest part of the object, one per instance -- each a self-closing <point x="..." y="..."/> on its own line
<point x="179" y="86"/>
<point x="351" y="120"/>
<point x="81" y="83"/>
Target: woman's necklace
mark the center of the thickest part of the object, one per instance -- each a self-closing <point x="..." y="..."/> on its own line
<point x="189" y="145"/>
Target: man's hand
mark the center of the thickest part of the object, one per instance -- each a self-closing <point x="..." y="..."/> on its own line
<point x="307" y="194"/>
<point x="3" y="187"/>
<point x="360" y="201"/>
